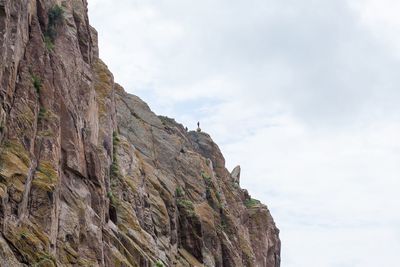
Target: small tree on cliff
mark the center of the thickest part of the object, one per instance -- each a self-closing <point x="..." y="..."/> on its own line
<point x="55" y="17"/>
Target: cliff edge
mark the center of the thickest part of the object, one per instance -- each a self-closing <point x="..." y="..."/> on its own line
<point x="90" y="176"/>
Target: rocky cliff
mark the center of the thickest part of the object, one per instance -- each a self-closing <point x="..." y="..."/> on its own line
<point x="90" y="176"/>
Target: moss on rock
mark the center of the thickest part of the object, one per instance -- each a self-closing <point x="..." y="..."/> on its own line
<point x="46" y="176"/>
<point x="250" y="203"/>
<point x="14" y="162"/>
<point x="31" y="243"/>
<point x="103" y="85"/>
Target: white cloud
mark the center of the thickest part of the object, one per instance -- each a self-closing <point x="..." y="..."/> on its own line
<point x="303" y="94"/>
<point x="329" y="192"/>
<point x="382" y="19"/>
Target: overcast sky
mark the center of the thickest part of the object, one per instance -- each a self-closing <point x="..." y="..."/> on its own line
<point x="303" y="94"/>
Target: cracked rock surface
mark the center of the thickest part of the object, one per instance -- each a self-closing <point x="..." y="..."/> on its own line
<point x="90" y="176"/>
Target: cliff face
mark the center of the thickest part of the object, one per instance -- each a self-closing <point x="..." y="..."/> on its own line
<point x="90" y="176"/>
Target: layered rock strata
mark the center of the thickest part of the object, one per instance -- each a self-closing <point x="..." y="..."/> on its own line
<point x="90" y="176"/>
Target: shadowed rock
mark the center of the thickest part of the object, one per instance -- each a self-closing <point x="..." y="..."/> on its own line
<point x="90" y="176"/>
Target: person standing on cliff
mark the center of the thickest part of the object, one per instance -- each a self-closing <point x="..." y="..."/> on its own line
<point x="198" y="127"/>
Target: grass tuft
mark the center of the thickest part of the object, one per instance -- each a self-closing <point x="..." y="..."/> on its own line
<point x="37" y="83"/>
<point x="179" y="192"/>
<point x="249" y="203"/>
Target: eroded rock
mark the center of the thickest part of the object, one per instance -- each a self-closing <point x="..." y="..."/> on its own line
<point x="90" y="176"/>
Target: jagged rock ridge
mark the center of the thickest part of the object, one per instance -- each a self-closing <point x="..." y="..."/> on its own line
<point x="90" y="176"/>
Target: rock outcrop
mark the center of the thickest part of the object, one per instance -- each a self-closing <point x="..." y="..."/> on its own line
<point x="90" y="176"/>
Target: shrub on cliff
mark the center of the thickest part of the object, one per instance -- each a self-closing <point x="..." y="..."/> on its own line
<point x="37" y="83"/>
<point x="179" y="192"/>
<point x="251" y="202"/>
<point x="114" y="166"/>
<point x="186" y="206"/>
<point x="55" y="17"/>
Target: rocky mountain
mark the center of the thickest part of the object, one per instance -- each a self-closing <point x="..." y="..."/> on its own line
<point x="90" y="176"/>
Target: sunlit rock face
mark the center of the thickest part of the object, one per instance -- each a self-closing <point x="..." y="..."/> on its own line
<point x="90" y="176"/>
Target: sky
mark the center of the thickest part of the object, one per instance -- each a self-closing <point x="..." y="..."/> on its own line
<point x="303" y="94"/>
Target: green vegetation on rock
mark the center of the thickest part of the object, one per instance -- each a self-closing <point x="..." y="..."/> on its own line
<point x="14" y="160"/>
<point x="46" y="133"/>
<point x="116" y="139"/>
<point x="37" y="83"/>
<point x="208" y="182"/>
<point x="46" y="115"/>
<point x="45" y="260"/>
<point x="218" y="195"/>
<point x="179" y="192"/>
<point x="187" y="206"/>
<point x="46" y="176"/>
<point x="23" y="235"/>
<point x="112" y="199"/>
<point x="114" y="166"/>
<point x="42" y="113"/>
<point x="30" y="243"/>
<point x="206" y="177"/>
<point x="166" y="120"/>
<point x="48" y="43"/>
<point x="55" y="17"/>
<point x="103" y="86"/>
<point x="249" y="203"/>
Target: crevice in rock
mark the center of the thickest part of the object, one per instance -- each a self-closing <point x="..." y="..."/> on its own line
<point x="2" y="10"/>
<point x="74" y="172"/>
<point x="113" y="214"/>
<point x="78" y="206"/>
<point x="15" y="251"/>
<point x="40" y="11"/>
<point x="153" y="147"/>
<point x="55" y="221"/>
<point x="84" y="40"/>
<point x="22" y="209"/>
